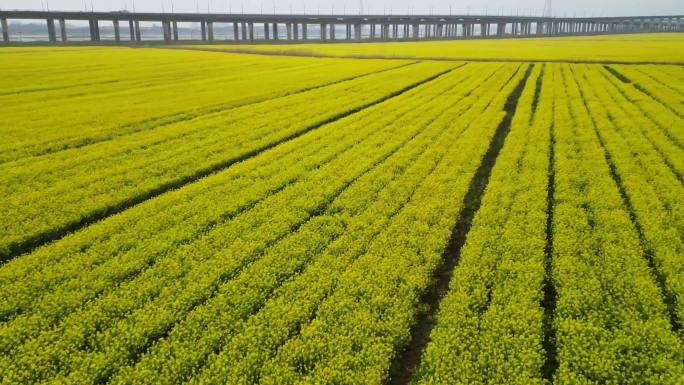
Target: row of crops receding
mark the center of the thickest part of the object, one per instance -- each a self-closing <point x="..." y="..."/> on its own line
<point x="388" y="223"/>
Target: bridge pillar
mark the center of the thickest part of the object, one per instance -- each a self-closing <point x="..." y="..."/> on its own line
<point x="52" y="36"/>
<point x="210" y="31"/>
<point x="324" y="29"/>
<point x="250" y="26"/>
<point x="117" y="31"/>
<point x="267" y="32"/>
<point x="5" y="30"/>
<point x="96" y="29"/>
<point x="175" y="30"/>
<point x="236" y="31"/>
<point x="357" y="32"/>
<point x="348" y="32"/>
<point x="332" y="31"/>
<point x="288" y="27"/>
<point x="168" y="31"/>
<point x="131" y="29"/>
<point x="203" y="27"/>
<point x="295" y="31"/>
<point x="305" y="31"/>
<point x="62" y="29"/>
<point x="275" y="31"/>
<point x="243" y="26"/>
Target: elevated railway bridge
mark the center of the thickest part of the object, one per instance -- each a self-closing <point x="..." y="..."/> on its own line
<point x="331" y="28"/>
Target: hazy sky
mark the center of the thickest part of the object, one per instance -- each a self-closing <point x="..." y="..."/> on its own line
<point x="560" y="7"/>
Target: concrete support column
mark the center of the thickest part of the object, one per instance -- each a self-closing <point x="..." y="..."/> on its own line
<point x="275" y="31"/>
<point x="295" y="31"/>
<point x="236" y="31"/>
<point x="267" y="32"/>
<point x="166" y="31"/>
<point x="251" y="32"/>
<point x="138" y="34"/>
<point x="210" y="31"/>
<point x="324" y="29"/>
<point x="372" y="31"/>
<point x="5" y="30"/>
<point x="243" y="26"/>
<point x="357" y="32"/>
<point x="90" y="30"/>
<point x="169" y="31"/>
<point x="305" y="31"/>
<point x="348" y="32"/>
<point x="288" y="28"/>
<point x="415" y="31"/>
<point x="62" y="29"/>
<point x="332" y="31"/>
<point x="52" y="35"/>
<point x="131" y="28"/>
<point x="175" y="30"/>
<point x="117" y="32"/>
<point x="203" y="27"/>
<point x="96" y="28"/>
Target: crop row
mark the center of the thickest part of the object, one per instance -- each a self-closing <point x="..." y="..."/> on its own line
<point x="166" y="86"/>
<point x="360" y="327"/>
<point x="366" y="202"/>
<point x="185" y="278"/>
<point x="51" y="194"/>
<point x="242" y="359"/>
<point x="489" y="328"/>
<point x="669" y="120"/>
<point x="610" y="320"/>
<point x="609" y="323"/>
<point x="654" y="190"/>
<point x="665" y="89"/>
